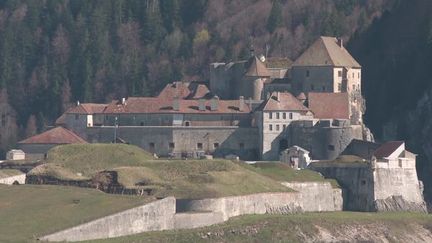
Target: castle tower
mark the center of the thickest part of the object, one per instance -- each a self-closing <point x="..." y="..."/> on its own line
<point x="253" y="81"/>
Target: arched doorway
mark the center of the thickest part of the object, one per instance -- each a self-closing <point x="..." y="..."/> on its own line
<point x="283" y="144"/>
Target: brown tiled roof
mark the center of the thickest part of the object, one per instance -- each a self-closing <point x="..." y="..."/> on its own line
<point x="184" y="90"/>
<point x="255" y="68"/>
<point x="387" y="149"/>
<point x="156" y="105"/>
<point x="329" y="105"/>
<point x="301" y="96"/>
<point x="175" y="89"/>
<point x="278" y="62"/>
<point x="61" y="120"/>
<point x="282" y="101"/>
<point x="326" y="52"/>
<point x="87" y="108"/>
<point x="58" y="135"/>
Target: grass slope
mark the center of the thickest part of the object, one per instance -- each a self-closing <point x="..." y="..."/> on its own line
<point x="347" y="226"/>
<point x="28" y="212"/>
<point x="283" y="172"/>
<point x="138" y="169"/>
<point x="90" y="158"/>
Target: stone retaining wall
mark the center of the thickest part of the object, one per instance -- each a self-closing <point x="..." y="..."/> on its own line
<point x="20" y="179"/>
<point x="161" y="215"/>
<point x="154" y="216"/>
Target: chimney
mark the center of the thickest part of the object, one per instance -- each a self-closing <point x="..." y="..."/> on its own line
<point x="201" y="104"/>
<point x="340" y="42"/>
<point x="78" y="103"/>
<point x="176" y="104"/>
<point x="277" y="96"/>
<point x="241" y="103"/>
<point x="214" y="103"/>
<point x="123" y="101"/>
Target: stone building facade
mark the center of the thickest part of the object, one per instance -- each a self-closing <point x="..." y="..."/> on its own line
<point x="253" y="109"/>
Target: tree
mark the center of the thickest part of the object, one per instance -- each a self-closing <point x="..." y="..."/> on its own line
<point x="275" y="18"/>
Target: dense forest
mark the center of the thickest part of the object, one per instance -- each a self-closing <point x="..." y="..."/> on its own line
<point x="56" y="52"/>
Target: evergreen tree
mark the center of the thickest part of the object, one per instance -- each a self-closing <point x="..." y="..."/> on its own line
<point x="275" y="18"/>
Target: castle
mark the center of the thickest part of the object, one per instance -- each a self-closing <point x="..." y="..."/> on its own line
<point x="253" y="109"/>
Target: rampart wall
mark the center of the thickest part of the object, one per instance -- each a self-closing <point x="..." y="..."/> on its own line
<point x="168" y="214"/>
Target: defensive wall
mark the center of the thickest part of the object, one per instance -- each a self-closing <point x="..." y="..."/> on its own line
<point x="166" y="140"/>
<point x="10" y="180"/>
<point x="167" y="214"/>
<point x="368" y="188"/>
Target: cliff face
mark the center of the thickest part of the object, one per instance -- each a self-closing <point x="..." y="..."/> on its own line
<point x="396" y="55"/>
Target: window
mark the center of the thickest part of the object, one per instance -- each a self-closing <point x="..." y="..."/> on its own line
<point x="241" y="145"/>
<point x="270" y="115"/>
<point x="284" y="127"/>
<point x="290" y="115"/>
<point x="76" y="117"/>
<point x="171" y="145"/>
<point x="312" y="87"/>
<point x="187" y="123"/>
<point x="358" y="75"/>
<point x="363" y="182"/>
<point x="323" y="88"/>
<point x="353" y="74"/>
<point x="151" y="145"/>
<point x="277" y="115"/>
<point x="277" y="127"/>
<point x="354" y="87"/>
<point x="284" y="115"/>
<point x="199" y="146"/>
<point x="340" y="73"/>
<point x="331" y="147"/>
<point x="216" y="145"/>
<point x="307" y="73"/>
<point x="340" y="87"/>
<point x="271" y="127"/>
<point x="3" y="120"/>
<point x="142" y="124"/>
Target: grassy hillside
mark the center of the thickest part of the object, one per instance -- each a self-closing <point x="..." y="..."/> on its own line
<point x="137" y="169"/>
<point x="90" y="158"/>
<point x="28" y="212"/>
<point x="310" y="227"/>
<point x="283" y="172"/>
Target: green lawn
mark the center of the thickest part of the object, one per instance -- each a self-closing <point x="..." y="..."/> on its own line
<point x="138" y="169"/>
<point x="28" y="212"/>
<point x="285" y="228"/>
<point x="283" y="172"/>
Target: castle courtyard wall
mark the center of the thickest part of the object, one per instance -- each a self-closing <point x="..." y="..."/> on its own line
<point x="241" y="141"/>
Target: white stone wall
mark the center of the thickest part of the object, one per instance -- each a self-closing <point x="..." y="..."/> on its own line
<point x="154" y="216"/>
<point x="12" y="179"/>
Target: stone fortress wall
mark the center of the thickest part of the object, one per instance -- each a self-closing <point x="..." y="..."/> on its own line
<point x="167" y="214"/>
<point x="369" y="188"/>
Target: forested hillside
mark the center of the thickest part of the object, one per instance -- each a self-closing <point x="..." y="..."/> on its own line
<point x="55" y="52"/>
<point x="396" y="54"/>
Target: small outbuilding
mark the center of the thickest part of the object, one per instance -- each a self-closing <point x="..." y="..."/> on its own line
<point x="296" y="157"/>
<point x="15" y="154"/>
<point x="37" y="146"/>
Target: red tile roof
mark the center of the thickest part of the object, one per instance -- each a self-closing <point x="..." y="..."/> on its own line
<point x="329" y="105"/>
<point x="175" y="89"/>
<point x="157" y="105"/>
<point x="387" y="149"/>
<point x="282" y="101"/>
<point x="255" y="68"/>
<point x="58" y="135"/>
<point x="184" y="90"/>
<point x="87" y="108"/>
